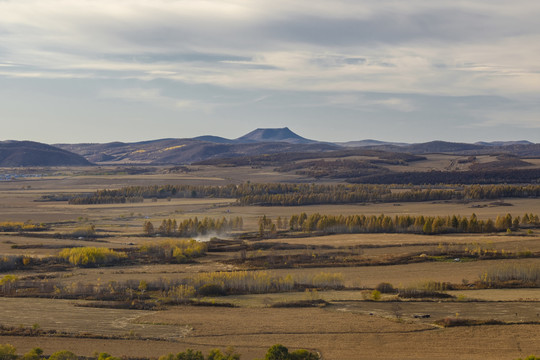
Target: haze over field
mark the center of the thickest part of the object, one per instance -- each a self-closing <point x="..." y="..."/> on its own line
<point x="99" y="71"/>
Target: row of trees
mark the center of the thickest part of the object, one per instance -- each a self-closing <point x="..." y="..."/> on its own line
<point x="91" y="256"/>
<point x="396" y="224"/>
<point x="193" y="226"/>
<point x="172" y="291"/>
<point x="276" y="194"/>
<point x="178" y="251"/>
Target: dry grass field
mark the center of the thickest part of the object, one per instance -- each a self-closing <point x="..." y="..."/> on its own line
<point x="349" y="326"/>
<point x="345" y="332"/>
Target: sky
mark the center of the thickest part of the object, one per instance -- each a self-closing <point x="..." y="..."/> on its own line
<point x="335" y="70"/>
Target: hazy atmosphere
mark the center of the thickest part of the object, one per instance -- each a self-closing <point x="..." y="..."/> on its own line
<point x="99" y="71"/>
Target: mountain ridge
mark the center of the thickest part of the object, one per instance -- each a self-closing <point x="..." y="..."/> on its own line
<point x="261" y="141"/>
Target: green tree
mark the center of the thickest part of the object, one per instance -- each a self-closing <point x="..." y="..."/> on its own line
<point x="63" y="355"/>
<point x="229" y="354"/>
<point x="34" y="354"/>
<point x="303" y="354"/>
<point x="190" y="354"/>
<point x="277" y="352"/>
<point x="7" y="352"/>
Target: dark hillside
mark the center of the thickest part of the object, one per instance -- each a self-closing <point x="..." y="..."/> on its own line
<point x="274" y="135"/>
<point x="29" y="153"/>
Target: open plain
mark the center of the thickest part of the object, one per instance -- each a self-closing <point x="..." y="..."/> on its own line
<point x="322" y="290"/>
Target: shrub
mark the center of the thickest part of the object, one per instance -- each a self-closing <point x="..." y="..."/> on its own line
<point x="229" y="354"/>
<point x="303" y="354"/>
<point x="211" y="290"/>
<point x="375" y="295"/>
<point x="277" y="352"/>
<point x="63" y="355"/>
<point x="10" y="262"/>
<point x="385" y="288"/>
<point x="280" y="352"/>
<point x="427" y="289"/>
<point x="7" y="352"/>
<point x="105" y="356"/>
<point x="34" y="354"/>
<point x="452" y="322"/>
<point x="86" y="231"/>
<point x="181" y="293"/>
<point x="190" y="354"/>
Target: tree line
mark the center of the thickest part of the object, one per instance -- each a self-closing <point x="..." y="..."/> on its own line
<point x="193" y="226"/>
<point x="398" y="224"/>
<point x="277" y="194"/>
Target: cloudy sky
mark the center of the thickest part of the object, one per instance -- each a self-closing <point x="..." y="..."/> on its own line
<point x="334" y="70"/>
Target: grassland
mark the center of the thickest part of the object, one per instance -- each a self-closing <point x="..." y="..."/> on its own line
<point x="343" y="322"/>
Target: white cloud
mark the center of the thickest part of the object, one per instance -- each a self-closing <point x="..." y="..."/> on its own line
<point x="300" y="46"/>
<point x="152" y="96"/>
<point x="394" y="48"/>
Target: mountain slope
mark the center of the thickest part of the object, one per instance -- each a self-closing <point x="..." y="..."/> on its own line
<point x="183" y="151"/>
<point x="29" y="153"/>
<point x="274" y="135"/>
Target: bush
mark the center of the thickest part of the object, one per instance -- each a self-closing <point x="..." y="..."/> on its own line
<point x="211" y="290"/>
<point x="303" y="355"/>
<point x="280" y="352"/>
<point x="86" y="231"/>
<point x="385" y="288"/>
<point x="277" y="352"/>
<point x="63" y="355"/>
<point x="34" y="354"/>
<point x="375" y="295"/>
<point x="229" y="354"/>
<point x="7" y="352"/>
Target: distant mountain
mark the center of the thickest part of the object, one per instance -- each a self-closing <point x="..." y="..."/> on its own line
<point x="528" y="149"/>
<point x="214" y="139"/>
<point x="503" y="143"/>
<point x="184" y="151"/>
<point x="29" y="153"/>
<point x="274" y="135"/>
<point x="265" y="141"/>
<point x="369" y="142"/>
<point x="438" y="146"/>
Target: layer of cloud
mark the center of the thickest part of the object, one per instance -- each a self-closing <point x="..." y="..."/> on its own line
<point x="414" y="66"/>
<point x="447" y="47"/>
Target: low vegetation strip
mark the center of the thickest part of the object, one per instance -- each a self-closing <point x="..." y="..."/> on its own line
<point x="275" y="352"/>
<point x="10" y="226"/>
<point x="453" y="322"/>
<point x="170" y="291"/>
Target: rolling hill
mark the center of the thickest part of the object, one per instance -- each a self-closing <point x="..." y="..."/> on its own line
<point x="269" y="141"/>
<point x="29" y="153"/>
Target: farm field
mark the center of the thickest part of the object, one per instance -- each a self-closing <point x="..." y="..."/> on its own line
<point x="254" y="285"/>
